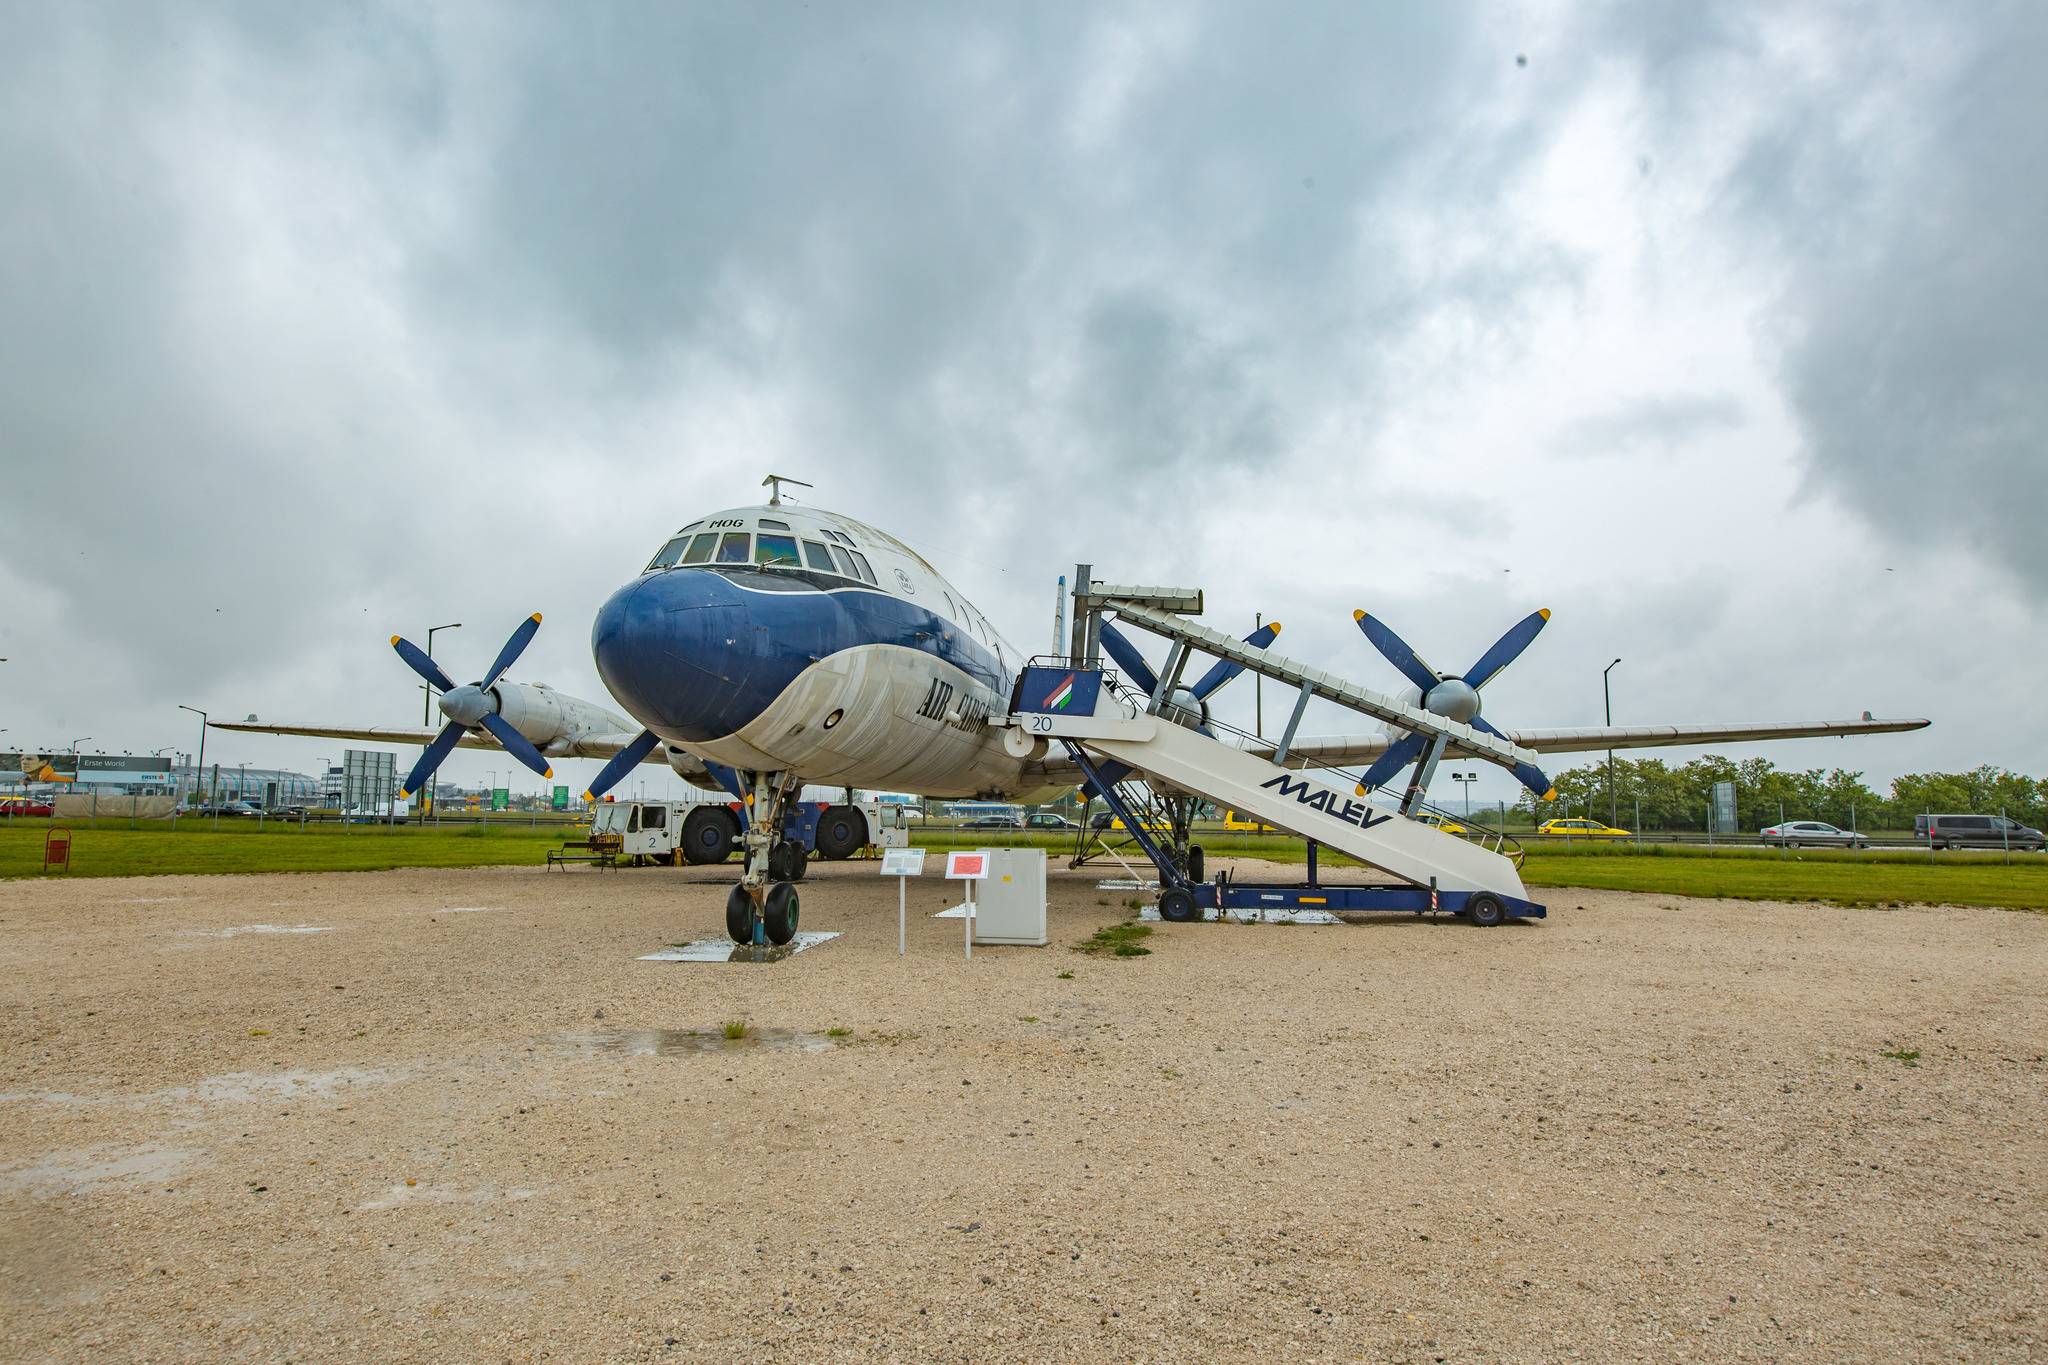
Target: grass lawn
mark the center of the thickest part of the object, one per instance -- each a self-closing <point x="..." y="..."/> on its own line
<point x="196" y="849"/>
<point x="1679" y="870"/>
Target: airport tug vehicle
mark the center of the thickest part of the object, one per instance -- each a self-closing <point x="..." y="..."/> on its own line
<point x="1112" y="731"/>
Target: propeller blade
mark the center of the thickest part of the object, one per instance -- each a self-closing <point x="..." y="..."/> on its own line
<point x="1507" y="648"/>
<point x="516" y="744"/>
<point x="1224" y="671"/>
<point x="1137" y="672"/>
<point x="509" y="655"/>
<point x="436" y="753"/>
<point x="416" y="659"/>
<point x="1528" y="774"/>
<point x="1399" y="755"/>
<point x="1398" y="654"/>
<point x="623" y="762"/>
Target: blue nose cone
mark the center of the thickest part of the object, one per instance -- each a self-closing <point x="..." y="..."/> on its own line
<point x="682" y="652"/>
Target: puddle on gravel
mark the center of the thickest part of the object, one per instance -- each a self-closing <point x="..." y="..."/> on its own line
<point x="725" y="950"/>
<point x="675" y="1042"/>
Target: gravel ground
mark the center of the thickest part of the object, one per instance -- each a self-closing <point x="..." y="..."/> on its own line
<point x="441" y="1120"/>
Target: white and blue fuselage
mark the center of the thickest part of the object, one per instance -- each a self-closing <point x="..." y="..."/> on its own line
<point x="788" y="639"/>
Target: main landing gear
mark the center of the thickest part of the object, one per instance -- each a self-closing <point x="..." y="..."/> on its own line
<point x="763" y="907"/>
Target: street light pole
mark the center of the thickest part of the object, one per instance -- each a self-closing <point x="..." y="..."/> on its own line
<point x="1607" y="695"/>
<point x="94" y="807"/>
<point x="1258" y="690"/>
<point x="200" y="766"/>
<point x="427" y="712"/>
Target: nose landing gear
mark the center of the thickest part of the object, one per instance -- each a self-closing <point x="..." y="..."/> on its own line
<point x="763" y="906"/>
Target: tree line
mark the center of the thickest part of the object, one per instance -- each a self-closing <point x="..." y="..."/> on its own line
<point x="1676" y="798"/>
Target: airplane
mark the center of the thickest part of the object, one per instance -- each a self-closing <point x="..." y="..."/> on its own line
<point x="768" y="647"/>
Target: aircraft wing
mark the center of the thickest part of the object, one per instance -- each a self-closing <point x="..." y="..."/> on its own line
<point x="588" y="746"/>
<point x="1336" y="751"/>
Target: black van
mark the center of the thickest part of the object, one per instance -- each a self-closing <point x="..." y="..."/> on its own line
<point x="1976" y="831"/>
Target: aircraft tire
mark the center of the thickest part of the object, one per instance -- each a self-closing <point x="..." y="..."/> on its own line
<point x="1484" y="909"/>
<point x="707" y="835"/>
<point x="842" y="832"/>
<point x="1195" y="863"/>
<point x="779" y="913"/>
<point x="739" y="914"/>
<point x="1178" y="907"/>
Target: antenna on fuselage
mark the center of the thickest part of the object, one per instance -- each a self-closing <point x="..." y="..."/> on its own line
<point x="774" y="482"/>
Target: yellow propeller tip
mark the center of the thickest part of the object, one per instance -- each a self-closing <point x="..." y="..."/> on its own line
<point x="1550" y="795"/>
<point x="1361" y="789"/>
<point x="1275" y="625"/>
<point x="403" y="794"/>
<point x="1544" y="613"/>
<point x="549" y="773"/>
<point x="535" y="618"/>
<point x="1357" y="614"/>
<point x="588" y="797"/>
<point x="394" y="640"/>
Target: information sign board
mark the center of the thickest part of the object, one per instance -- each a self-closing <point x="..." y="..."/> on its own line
<point x="501" y="797"/>
<point x="560" y="800"/>
<point x="966" y="867"/>
<point x="902" y="862"/>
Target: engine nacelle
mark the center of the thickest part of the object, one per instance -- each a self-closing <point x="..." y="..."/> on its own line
<point x="690" y="768"/>
<point x="533" y="711"/>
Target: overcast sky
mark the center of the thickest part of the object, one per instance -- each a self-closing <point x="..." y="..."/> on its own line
<point x="1718" y="329"/>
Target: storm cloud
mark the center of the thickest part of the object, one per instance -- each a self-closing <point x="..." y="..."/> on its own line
<point x="321" y="324"/>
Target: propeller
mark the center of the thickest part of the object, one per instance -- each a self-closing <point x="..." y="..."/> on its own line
<point x="623" y="762"/>
<point x="1140" y="674"/>
<point x="1453" y="698"/>
<point x="471" y="706"/>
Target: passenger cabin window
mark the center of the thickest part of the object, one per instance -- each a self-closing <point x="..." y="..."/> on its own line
<point x="767" y="524"/>
<point x="818" y="557"/>
<point x="733" y="549"/>
<point x="670" y="553"/>
<point x="860" y="562"/>
<point x="845" y="564"/>
<point x="776" y="550"/>
<point x="701" y="548"/>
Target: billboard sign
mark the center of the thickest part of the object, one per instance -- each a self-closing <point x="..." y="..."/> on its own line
<point x="124" y="768"/>
<point x="1724" y="808"/>
<point x="561" y="799"/>
<point x="36" y="767"/>
<point x="501" y="798"/>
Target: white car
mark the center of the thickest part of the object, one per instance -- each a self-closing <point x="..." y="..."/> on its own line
<point x="1812" y="834"/>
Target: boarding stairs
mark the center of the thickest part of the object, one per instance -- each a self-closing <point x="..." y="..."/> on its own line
<point x="1081" y="711"/>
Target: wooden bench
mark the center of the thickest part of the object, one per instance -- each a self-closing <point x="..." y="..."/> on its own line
<point x="563" y="856"/>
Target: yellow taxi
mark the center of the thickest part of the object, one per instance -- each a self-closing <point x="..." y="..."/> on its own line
<point x="1581" y="829"/>
<point x="1443" y="823"/>
<point x="1233" y="820"/>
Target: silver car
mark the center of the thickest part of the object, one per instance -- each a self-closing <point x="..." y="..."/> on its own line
<point x="1813" y="834"/>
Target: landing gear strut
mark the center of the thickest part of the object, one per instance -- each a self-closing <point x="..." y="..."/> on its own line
<point x="762" y="908"/>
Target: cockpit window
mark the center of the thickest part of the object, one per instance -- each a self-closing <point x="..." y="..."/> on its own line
<point x="767" y="524"/>
<point x="860" y="562"/>
<point x="701" y="548"/>
<point x="777" y="550"/>
<point x="670" y="553"/>
<point x="733" y="549"/>
<point x="818" y="557"/>
<point x="845" y="565"/>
